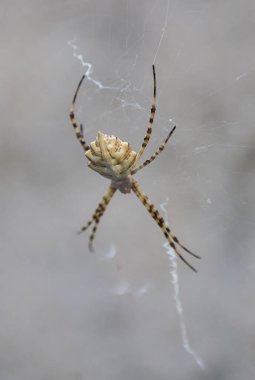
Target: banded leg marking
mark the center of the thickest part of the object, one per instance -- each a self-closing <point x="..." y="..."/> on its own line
<point x="153" y="110"/>
<point x="101" y="209"/>
<point x="172" y="239"/>
<point x="78" y="131"/>
<point x="98" y="214"/>
<point x="158" y="151"/>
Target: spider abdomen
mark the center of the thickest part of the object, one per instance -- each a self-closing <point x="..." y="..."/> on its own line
<point x="110" y="156"/>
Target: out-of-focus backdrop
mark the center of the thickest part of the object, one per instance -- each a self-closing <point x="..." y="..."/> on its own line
<point x="66" y="313"/>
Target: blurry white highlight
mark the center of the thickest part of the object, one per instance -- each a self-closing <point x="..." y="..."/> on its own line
<point x="109" y="254"/>
<point x="126" y="288"/>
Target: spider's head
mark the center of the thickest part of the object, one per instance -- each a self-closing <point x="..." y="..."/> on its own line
<point x="110" y="156"/>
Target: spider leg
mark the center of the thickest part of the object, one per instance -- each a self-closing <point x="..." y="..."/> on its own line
<point x="94" y="216"/>
<point x="93" y="219"/>
<point x="94" y="229"/>
<point x="101" y="209"/>
<point x="172" y="239"/>
<point x="78" y="131"/>
<point x="176" y="240"/>
<point x="158" y="151"/>
<point x="83" y="228"/>
<point x="153" y="110"/>
<point x="98" y="214"/>
<point x="81" y="130"/>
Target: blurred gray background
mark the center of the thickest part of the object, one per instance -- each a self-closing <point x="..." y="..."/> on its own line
<point x="66" y="313"/>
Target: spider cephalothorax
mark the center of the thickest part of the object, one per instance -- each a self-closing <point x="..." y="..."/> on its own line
<point x="114" y="159"/>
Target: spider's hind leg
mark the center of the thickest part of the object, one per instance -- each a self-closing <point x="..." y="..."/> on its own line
<point x="98" y="214"/>
<point x="172" y="239"/>
<point x="83" y="228"/>
<point x="94" y="229"/>
<point x="176" y="240"/>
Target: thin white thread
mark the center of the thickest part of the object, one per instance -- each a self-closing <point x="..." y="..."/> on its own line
<point x="79" y="56"/>
<point x="175" y="281"/>
<point x="163" y="33"/>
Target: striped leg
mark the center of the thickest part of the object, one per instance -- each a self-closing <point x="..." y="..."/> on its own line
<point x="153" y="110"/>
<point x="172" y="239"/>
<point x="152" y="158"/>
<point x="98" y="214"/>
<point x="94" y="229"/>
<point x="78" y="131"/>
<point x="83" y="228"/>
<point x="94" y="216"/>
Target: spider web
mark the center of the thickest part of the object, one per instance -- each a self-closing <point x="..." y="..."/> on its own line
<point x="113" y="314"/>
<point x="125" y="287"/>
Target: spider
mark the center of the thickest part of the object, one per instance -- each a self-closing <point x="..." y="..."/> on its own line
<point x="113" y="158"/>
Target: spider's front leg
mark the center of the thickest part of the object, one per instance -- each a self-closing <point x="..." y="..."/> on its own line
<point x="172" y="239"/>
<point x="99" y="212"/>
<point x="151" y="120"/>
<point x="158" y="151"/>
<point x="78" y="131"/>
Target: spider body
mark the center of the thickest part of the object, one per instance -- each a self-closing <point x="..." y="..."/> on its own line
<point x="115" y="160"/>
<point x="111" y="157"/>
